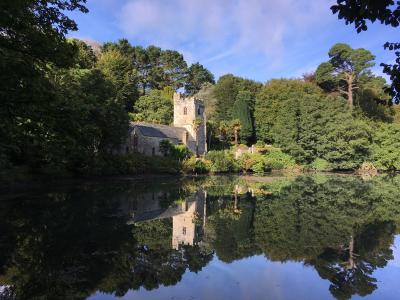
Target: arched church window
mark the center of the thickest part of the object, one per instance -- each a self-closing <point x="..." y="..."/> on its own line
<point x="198" y="111"/>
<point x="185" y="110"/>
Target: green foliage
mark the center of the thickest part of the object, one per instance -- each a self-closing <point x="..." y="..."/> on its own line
<point x="348" y="146"/>
<point x="177" y="152"/>
<point x="156" y="68"/>
<point x="274" y="99"/>
<point x="32" y="47"/>
<point x="277" y="160"/>
<point x="242" y="113"/>
<point x="222" y="161"/>
<point x="252" y="162"/>
<point x="195" y="165"/>
<point x="373" y="100"/>
<point x="225" y="92"/>
<point x="386" y="12"/>
<point x="386" y="147"/>
<point x="345" y="69"/>
<point x="153" y="108"/>
<point x="119" y="69"/>
<point x="324" y="76"/>
<point x="85" y="57"/>
<point x="320" y="164"/>
<point x="308" y="125"/>
<point x="196" y="78"/>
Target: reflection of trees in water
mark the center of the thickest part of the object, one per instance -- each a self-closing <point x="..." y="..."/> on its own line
<point x="350" y="270"/>
<point x="69" y="244"/>
<point x="342" y="226"/>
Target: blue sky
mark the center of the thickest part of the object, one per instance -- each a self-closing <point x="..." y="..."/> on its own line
<point x="256" y="39"/>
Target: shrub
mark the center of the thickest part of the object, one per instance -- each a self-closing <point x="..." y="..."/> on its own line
<point x="177" y="152"/>
<point x="320" y="164"/>
<point x="196" y="166"/>
<point x="252" y="162"/>
<point x="180" y="152"/>
<point x="222" y="161"/>
<point x="260" y="167"/>
<point x="276" y="159"/>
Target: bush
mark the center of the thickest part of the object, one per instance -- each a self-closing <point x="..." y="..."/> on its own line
<point x="252" y="162"/>
<point x="320" y="164"/>
<point x="260" y="167"/>
<point x="177" y="152"/>
<point x="277" y="160"/>
<point x="222" y="161"/>
<point x="196" y="166"/>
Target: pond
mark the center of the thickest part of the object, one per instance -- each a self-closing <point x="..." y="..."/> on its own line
<point x="305" y="237"/>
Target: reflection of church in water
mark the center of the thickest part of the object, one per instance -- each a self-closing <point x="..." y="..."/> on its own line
<point x="188" y="215"/>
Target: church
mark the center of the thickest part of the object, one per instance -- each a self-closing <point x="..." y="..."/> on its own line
<point x="189" y="128"/>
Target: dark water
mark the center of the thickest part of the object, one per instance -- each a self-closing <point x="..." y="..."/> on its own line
<point x="307" y="237"/>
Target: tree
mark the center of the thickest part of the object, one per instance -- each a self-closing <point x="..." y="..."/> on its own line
<point x="225" y="92"/>
<point x="273" y="99"/>
<point x="307" y="124"/>
<point x="118" y="68"/>
<point x="385" y="11"/>
<point x="224" y="130"/>
<point x="236" y="127"/>
<point x="153" y="107"/>
<point x="85" y="57"/>
<point x="241" y="112"/>
<point x="373" y="100"/>
<point x="156" y="68"/>
<point x="197" y="77"/>
<point x="344" y="69"/>
<point x="31" y="44"/>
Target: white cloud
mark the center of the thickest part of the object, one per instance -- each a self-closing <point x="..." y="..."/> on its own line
<point x="257" y="26"/>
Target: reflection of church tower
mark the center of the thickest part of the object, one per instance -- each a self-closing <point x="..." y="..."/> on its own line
<point x="187" y="112"/>
<point x="187" y="227"/>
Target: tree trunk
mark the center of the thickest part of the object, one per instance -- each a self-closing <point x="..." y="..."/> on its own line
<point x="351" y="263"/>
<point x="350" y="90"/>
<point x="236" y="136"/>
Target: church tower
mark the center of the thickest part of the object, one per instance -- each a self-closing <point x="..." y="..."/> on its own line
<point x="189" y="113"/>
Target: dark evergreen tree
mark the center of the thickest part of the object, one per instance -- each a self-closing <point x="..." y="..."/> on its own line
<point x="241" y="112"/>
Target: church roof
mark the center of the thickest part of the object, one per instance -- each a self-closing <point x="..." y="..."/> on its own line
<point x="160" y="131"/>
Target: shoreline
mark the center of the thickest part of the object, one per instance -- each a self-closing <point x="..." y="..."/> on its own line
<point x="39" y="181"/>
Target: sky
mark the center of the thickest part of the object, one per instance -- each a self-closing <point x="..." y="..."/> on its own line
<point x="255" y="39"/>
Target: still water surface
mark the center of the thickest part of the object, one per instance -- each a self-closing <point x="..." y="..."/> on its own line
<point x="306" y="237"/>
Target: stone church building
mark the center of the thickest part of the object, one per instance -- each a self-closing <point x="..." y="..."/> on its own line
<point x="145" y="138"/>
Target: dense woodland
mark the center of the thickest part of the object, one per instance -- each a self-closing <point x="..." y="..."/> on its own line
<point x="66" y="105"/>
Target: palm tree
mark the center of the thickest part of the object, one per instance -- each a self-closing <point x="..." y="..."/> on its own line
<point x="196" y="126"/>
<point x="236" y="126"/>
<point x="223" y="129"/>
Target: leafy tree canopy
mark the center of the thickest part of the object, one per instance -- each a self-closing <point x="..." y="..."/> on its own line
<point x="197" y="77"/>
<point x="386" y="12"/>
<point x="153" y="107"/>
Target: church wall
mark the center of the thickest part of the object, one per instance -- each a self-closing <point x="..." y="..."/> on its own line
<point x="146" y="144"/>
